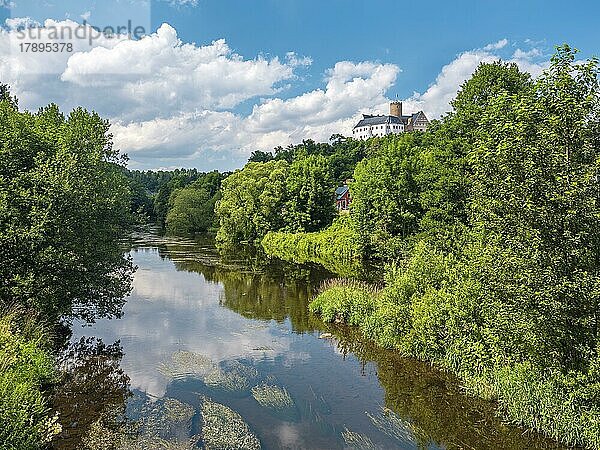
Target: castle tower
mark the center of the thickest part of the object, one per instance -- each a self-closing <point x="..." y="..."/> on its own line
<point x="396" y="109"/>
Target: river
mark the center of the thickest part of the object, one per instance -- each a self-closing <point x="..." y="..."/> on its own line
<point x="200" y="331"/>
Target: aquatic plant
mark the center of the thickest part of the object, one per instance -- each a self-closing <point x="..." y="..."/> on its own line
<point x="271" y="396"/>
<point x="357" y="441"/>
<point x="166" y="418"/>
<point x="224" y="429"/>
<point x="233" y="376"/>
<point x="393" y="425"/>
<point x="184" y="364"/>
<point x="100" y="437"/>
<point x="176" y="411"/>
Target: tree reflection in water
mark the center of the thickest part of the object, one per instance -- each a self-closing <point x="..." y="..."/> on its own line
<point x="423" y="406"/>
<point x="432" y="403"/>
<point x="94" y="388"/>
<point x="429" y="403"/>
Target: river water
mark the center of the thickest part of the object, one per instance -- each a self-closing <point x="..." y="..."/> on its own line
<point x="200" y="331"/>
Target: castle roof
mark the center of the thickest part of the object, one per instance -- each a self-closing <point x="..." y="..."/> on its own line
<point x="368" y="120"/>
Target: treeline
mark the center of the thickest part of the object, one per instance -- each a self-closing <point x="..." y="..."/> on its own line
<point x="64" y="205"/>
<point x="489" y="224"/>
<point x="290" y="189"/>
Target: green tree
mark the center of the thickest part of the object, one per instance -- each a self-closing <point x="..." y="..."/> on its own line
<point x="310" y="191"/>
<point x="252" y="203"/>
<point x="536" y="192"/>
<point x="64" y="204"/>
<point x="193" y="207"/>
<point x="386" y="194"/>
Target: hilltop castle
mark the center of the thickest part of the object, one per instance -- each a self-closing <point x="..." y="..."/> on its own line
<point x="371" y="126"/>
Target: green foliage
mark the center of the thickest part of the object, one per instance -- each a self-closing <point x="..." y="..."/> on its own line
<point x="291" y="189"/>
<point x="252" y="202"/>
<point x="166" y="183"/>
<point x="504" y="293"/>
<point x="385" y="192"/>
<point x="64" y="203"/>
<point x="192" y="208"/>
<point x="26" y="367"/>
<point x="344" y="301"/>
<point x="310" y="187"/>
<point x="489" y="81"/>
<point x="336" y="247"/>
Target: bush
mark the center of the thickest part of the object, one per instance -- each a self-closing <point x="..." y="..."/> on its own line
<point x="436" y="308"/>
<point x="26" y="367"/>
<point x="336" y="247"/>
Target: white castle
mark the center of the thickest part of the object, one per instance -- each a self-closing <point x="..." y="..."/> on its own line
<point x="371" y="126"/>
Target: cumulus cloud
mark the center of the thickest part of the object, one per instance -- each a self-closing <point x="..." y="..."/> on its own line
<point x="19" y="23"/>
<point x="435" y="101"/>
<point x="179" y="104"/>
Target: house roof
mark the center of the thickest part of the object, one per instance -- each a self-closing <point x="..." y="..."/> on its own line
<point x="340" y="191"/>
<point x="377" y="120"/>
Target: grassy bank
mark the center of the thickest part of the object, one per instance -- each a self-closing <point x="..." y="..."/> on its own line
<point x="26" y="368"/>
<point x="335" y="248"/>
<point x="440" y="307"/>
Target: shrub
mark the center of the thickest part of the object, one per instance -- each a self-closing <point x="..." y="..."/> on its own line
<point x="26" y="367"/>
<point x="336" y="248"/>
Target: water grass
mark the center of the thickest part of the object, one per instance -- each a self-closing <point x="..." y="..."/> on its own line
<point x="273" y="397"/>
<point x="233" y="377"/>
<point x="166" y="418"/>
<point x="184" y="364"/>
<point x="358" y="441"/>
<point x="225" y="429"/>
<point x="393" y="425"/>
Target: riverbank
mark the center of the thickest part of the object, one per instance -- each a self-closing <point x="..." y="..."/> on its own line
<point x="433" y="309"/>
<point x="197" y="332"/>
<point x="26" y="372"/>
<point x="335" y="248"/>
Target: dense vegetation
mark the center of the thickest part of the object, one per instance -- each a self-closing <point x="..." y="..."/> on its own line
<point x="487" y="226"/>
<point x="64" y="205"/>
<point x="291" y="191"/>
<point x="335" y="247"/>
<point x="494" y="262"/>
<point x="26" y="366"/>
<point x="181" y="201"/>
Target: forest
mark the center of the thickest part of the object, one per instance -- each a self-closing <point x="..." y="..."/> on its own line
<point x="483" y="233"/>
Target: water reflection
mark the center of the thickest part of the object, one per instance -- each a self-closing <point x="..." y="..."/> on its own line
<point x="93" y="388"/>
<point x="220" y="342"/>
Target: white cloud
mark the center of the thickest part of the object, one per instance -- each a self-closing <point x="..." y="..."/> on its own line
<point x="294" y="60"/>
<point x="176" y="104"/>
<point x="496" y="45"/>
<point x="19" y="23"/>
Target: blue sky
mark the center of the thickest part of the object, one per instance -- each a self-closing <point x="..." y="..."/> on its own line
<point x="216" y="80"/>
<point x="419" y="40"/>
